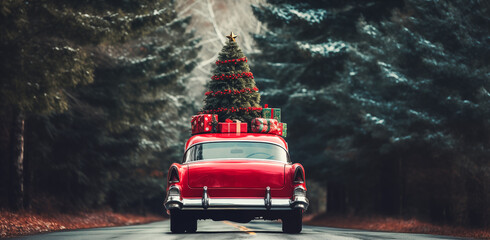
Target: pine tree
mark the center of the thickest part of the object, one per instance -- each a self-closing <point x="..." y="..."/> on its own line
<point x="397" y="118"/>
<point x="133" y="117"/>
<point x="301" y="65"/>
<point x="423" y="83"/>
<point x="45" y="51"/>
<point x="232" y="92"/>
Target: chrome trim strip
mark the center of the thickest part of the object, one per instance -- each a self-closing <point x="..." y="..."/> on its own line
<point x="239" y="208"/>
<point x="237" y="204"/>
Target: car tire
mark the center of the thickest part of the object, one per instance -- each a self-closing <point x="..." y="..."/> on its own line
<point x="293" y="222"/>
<point x="177" y="224"/>
<point x="191" y="225"/>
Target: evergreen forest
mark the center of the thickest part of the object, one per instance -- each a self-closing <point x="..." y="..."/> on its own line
<point x="388" y="102"/>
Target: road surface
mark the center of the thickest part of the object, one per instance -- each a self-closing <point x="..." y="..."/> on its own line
<point x="224" y="230"/>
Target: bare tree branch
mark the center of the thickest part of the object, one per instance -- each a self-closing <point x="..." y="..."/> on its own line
<point x="219" y="35"/>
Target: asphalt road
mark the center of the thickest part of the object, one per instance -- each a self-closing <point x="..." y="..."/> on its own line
<point x="225" y="230"/>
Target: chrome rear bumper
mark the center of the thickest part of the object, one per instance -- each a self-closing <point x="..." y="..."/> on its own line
<point x="236" y="204"/>
<point x="209" y="203"/>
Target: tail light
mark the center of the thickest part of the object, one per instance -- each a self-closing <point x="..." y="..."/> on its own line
<point x="174" y="191"/>
<point x="299" y="176"/>
<point x="173" y="176"/>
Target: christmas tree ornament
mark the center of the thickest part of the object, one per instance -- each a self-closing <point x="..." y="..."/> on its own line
<point x="232" y="37"/>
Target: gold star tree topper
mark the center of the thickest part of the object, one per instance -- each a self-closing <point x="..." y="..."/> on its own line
<point x="232" y="37"/>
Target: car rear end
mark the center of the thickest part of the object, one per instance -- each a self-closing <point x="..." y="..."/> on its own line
<point x="237" y="178"/>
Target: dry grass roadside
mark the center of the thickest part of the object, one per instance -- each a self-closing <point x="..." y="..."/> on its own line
<point x="23" y="223"/>
<point x="396" y="225"/>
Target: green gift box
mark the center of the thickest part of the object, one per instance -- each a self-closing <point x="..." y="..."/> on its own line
<point x="271" y="113"/>
<point x="284" y="128"/>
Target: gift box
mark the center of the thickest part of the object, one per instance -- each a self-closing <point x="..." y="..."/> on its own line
<point x="271" y="113"/>
<point x="232" y="127"/>
<point x="284" y="129"/>
<point x="276" y="130"/>
<point x="194" y="126"/>
<point x="204" y="123"/>
<point x="264" y="125"/>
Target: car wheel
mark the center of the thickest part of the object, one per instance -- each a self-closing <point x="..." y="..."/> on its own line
<point x="177" y="224"/>
<point x="191" y="225"/>
<point x="293" y="222"/>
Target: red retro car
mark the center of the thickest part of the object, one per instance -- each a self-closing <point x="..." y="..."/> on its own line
<point x="236" y="177"/>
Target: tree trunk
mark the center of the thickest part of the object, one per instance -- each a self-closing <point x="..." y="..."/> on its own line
<point x="28" y="175"/>
<point x="17" y="161"/>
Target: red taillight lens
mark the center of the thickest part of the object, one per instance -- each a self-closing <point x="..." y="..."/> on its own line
<point x="298" y="176"/>
<point x="174" y="175"/>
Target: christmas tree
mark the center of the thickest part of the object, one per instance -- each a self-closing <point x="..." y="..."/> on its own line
<point x="232" y="93"/>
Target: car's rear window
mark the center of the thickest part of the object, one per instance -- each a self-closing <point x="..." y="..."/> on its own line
<point x="236" y="150"/>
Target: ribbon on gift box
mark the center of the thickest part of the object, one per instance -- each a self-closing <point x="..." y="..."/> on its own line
<point x="214" y="123"/>
<point x="238" y="125"/>
<point x="228" y="122"/>
<point x="272" y="110"/>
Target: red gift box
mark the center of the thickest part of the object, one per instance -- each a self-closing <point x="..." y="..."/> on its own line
<point x="264" y="125"/>
<point x="277" y="129"/>
<point x="232" y="127"/>
<point x="280" y="129"/>
<point x="194" y="125"/>
<point x="204" y="123"/>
